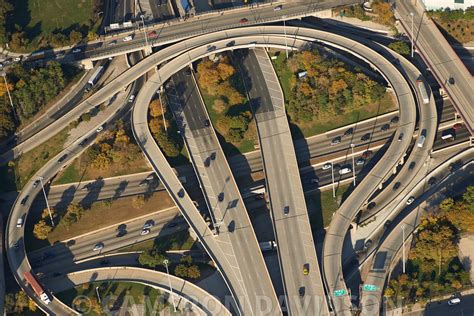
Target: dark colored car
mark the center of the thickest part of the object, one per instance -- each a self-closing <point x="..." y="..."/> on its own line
<point x="366" y="154"/>
<point x="244" y="20"/>
<point x="365" y="137"/>
<point x="387" y="224"/>
<point x="302" y="291"/>
<point x="336" y="140"/>
<point x="83" y="142"/>
<point x="220" y="197"/>
<point x="286" y="210"/>
<point x="394" y="119"/>
<point x="396" y="185"/>
<point x="62" y="158"/>
<point x="230" y="44"/>
<point x="350" y="131"/>
<point x="181" y="193"/>
<point x="23" y="202"/>
<point x="371" y="205"/>
<point x="207" y="123"/>
<point x="121" y="233"/>
<point x="458" y="126"/>
<point x="121" y="227"/>
<point x="385" y="127"/>
<point x="412" y="165"/>
<point x="432" y="181"/>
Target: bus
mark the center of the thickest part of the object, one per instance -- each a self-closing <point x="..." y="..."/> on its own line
<point x="424" y="94"/>
<point x="94" y="78"/>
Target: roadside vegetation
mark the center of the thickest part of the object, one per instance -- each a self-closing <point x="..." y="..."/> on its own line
<point x="114" y="153"/>
<point x="433" y="266"/>
<point x="181" y="240"/>
<point x="79" y="218"/>
<point x="168" y="139"/>
<point x="400" y="47"/>
<point x="382" y="13"/>
<point x="114" y="296"/>
<point x="330" y="95"/>
<point x="223" y="94"/>
<point x="19" y="303"/>
<point x="31" y="91"/>
<point x="17" y="172"/>
<point x="29" y="25"/>
<point x="458" y="24"/>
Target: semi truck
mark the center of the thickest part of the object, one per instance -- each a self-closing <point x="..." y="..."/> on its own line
<point x="31" y="280"/>
<point x="423" y="92"/>
<point x="94" y="78"/>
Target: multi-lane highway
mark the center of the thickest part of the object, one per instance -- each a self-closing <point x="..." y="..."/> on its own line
<point x="296" y="248"/>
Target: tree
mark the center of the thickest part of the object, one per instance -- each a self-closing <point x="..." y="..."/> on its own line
<point x="400" y="47"/>
<point x="75" y="37"/>
<point x="151" y="258"/>
<point x="219" y="105"/>
<point x="468" y="198"/>
<point x="155" y="108"/>
<point x="181" y="271"/>
<point x="41" y="230"/>
<point x="194" y="272"/>
<point x="225" y="70"/>
<point x="186" y="260"/>
<point x="447" y="204"/>
<point x="21" y="300"/>
<point x="32" y="305"/>
<point x="384" y="12"/>
<point x="138" y="202"/>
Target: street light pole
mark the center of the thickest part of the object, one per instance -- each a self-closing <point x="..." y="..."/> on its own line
<point x="9" y="95"/>
<point x="46" y="199"/>
<point x="144" y="31"/>
<point x="403" y="246"/>
<point x="353" y="165"/>
<point x="162" y="110"/>
<point x="333" y="187"/>
<point x="169" y="282"/>
<point x="412" y="35"/>
<point x="97" y="292"/>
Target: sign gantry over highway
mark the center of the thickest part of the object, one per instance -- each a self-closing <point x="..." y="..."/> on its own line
<point x="370" y="288"/>
<point x="338" y="293"/>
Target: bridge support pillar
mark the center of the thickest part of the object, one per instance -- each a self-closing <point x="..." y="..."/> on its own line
<point x="87" y="64"/>
<point x="147" y="51"/>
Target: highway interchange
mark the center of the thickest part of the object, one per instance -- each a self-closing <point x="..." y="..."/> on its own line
<point x="227" y="226"/>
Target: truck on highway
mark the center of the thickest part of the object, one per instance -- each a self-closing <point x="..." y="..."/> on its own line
<point x="31" y="280"/>
<point x="94" y="78"/>
<point x="422" y="138"/>
<point x="267" y="245"/>
<point x="423" y="92"/>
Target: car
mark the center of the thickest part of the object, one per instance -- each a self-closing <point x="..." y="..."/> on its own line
<point x="23" y="202"/>
<point x="412" y="165"/>
<point x="454" y="301"/>
<point x="211" y="48"/>
<point x="150" y="177"/>
<point x="387" y="224"/>
<point x="99" y="246"/>
<point x="458" y="126"/>
<point x="335" y="140"/>
<point x="144" y="232"/>
<point x="365" y="137"/>
<point x="18" y="58"/>
<point x="121" y="233"/>
<point x="19" y="222"/>
<point x="181" y="193"/>
<point x="326" y="166"/>
<point x="385" y="127"/>
<point x="345" y="170"/>
<point x="207" y="123"/>
<point x="451" y="80"/>
<point x="76" y="50"/>
<point x="149" y="224"/>
<point x="260" y="196"/>
<point x="306" y="268"/>
<point x="128" y="38"/>
<point x="410" y="200"/>
<point x="220" y="197"/>
<point x="132" y="97"/>
<point x="152" y="34"/>
<point x="371" y="205"/>
<point x="100" y="129"/>
<point x="278" y="7"/>
<point x="349" y="132"/>
<point x="35" y="184"/>
<point x="367" y="244"/>
<point x="112" y="43"/>
<point x="360" y="161"/>
<point x="121" y="227"/>
<point x="400" y="137"/>
<point x="230" y="44"/>
<point x="432" y="181"/>
<point x="394" y="119"/>
<point x="286" y="210"/>
<point x="83" y="142"/>
<point x="301" y="291"/>
<point x="104" y="262"/>
<point x="396" y="185"/>
<point x="366" y="154"/>
<point x="62" y="158"/>
<point x="244" y="20"/>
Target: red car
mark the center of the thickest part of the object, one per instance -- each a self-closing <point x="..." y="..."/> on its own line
<point x="244" y="20"/>
<point x="458" y="126"/>
<point x="152" y="34"/>
<point x="366" y="154"/>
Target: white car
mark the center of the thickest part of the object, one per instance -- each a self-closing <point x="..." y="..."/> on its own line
<point x="98" y="246"/>
<point x="145" y="232"/>
<point x="326" y="166"/>
<point x="454" y="301"/>
<point x="128" y="38"/>
<point x="410" y="200"/>
<point x="132" y="97"/>
<point x="76" y="50"/>
<point x="99" y="129"/>
<point x="345" y="170"/>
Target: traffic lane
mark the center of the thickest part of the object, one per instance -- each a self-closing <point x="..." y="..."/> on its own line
<point x="441" y="308"/>
<point x="83" y="246"/>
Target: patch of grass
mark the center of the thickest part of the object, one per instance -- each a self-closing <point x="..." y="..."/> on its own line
<point x="69" y="175"/>
<point x="119" y="292"/>
<point x="41" y="17"/>
<point x="98" y="215"/>
<point x="322" y="205"/>
<point x="19" y="171"/>
<point x="177" y="241"/>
